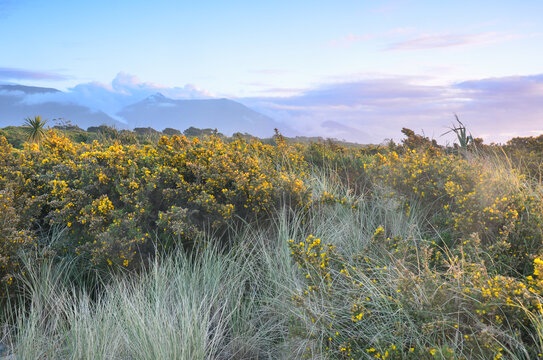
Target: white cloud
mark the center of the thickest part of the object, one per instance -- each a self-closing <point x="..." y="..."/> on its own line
<point x="125" y="89"/>
<point x="431" y="41"/>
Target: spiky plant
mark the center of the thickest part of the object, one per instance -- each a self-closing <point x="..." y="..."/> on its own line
<point x="35" y="129"/>
<point x="461" y="134"/>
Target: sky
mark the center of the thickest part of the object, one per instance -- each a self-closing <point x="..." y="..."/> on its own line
<point x="359" y="70"/>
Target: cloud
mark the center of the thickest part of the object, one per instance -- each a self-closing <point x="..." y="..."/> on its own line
<point x="370" y="110"/>
<point x="124" y="89"/>
<point x="426" y="41"/>
<point x="371" y="92"/>
<point x="7" y="73"/>
<point x="281" y="91"/>
<point x="13" y="93"/>
<point x="433" y="41"/>
<point x="131" y="85"/>
<point x="507" y="105"/>
<point x="510" y="86"/>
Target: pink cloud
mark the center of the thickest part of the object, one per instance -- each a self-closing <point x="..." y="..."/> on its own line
<point x="449" y="40"/>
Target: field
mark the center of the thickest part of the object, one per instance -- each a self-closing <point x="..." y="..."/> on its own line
<point x="145" y="245"/>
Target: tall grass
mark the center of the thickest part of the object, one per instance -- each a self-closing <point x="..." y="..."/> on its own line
<point x="182" y="307"/>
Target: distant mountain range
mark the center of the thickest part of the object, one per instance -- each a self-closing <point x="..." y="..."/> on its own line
<point x="18" y="102"/>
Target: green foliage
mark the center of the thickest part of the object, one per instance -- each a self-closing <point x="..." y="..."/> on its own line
<point x="526" y="153"/>
<point x="400" y="301"/>
<point x="35" y="129"/>
<point x="464" y="140"/>
<point x="14" y="135"/>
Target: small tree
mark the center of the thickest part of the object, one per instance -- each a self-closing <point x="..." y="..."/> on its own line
<point x="35" y="129"/>
<point x="416" y="141"/>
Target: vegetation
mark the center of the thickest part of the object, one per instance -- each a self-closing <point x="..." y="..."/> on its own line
<point x="139" y="245"/>
<point x="35" y="129"/>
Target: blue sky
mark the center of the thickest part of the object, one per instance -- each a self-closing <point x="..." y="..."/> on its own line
<point x="296" y="60"/>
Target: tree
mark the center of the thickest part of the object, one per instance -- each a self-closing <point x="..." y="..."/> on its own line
<point x="35" y="129"/>
<point x="171" y="132"/>
<point x="416" y="141"/>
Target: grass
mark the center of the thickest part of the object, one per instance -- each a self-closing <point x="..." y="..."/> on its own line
<point x="180" y="308"/>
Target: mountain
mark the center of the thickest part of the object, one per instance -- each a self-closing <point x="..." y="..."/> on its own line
<point x="18" y="102"/>
<point x="159" y="112"/>
<point x="15" y="107"/>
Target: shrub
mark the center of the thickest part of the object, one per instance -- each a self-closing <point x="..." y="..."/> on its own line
<point x="115" y="198"/>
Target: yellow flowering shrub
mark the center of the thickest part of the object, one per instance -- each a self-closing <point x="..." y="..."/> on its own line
<point x="468" y="197"/>
<point x="422" y="175"/>
<point x="314" y="260"/>
<point x="13" y="239"/>
<point x="114" y="198"/>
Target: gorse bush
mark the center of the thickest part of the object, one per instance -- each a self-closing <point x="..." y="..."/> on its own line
<point x="467" y="197"/>
<point x="114" y="199"/>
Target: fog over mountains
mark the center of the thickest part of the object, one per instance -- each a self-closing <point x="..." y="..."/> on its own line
<point x="15" y="107"/>
<point x="157" y="111"/>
